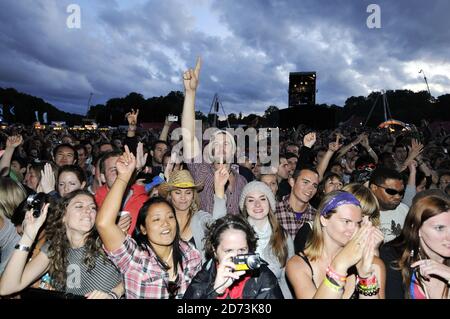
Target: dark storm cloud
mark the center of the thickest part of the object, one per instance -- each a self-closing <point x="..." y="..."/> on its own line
<point x="143" y="46"/>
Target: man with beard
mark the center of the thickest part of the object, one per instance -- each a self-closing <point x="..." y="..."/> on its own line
<point x="294" y="209"/>
<point x="388" y="187"/>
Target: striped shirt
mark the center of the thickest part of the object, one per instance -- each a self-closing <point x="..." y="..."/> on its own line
<point x="204" y="173"/>
<point x="80" y="281"/>
<point x="292" y="221"/>
<point x="143" y="275"/>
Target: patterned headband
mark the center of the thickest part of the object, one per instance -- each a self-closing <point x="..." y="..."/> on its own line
<point x="343" y="198"/>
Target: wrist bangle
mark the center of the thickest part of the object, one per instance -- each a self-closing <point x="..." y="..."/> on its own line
<point x="113" y="295"/>
<point x="22" y="247"/>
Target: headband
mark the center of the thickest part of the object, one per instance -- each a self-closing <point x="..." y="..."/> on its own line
<point x="342" y="198"/>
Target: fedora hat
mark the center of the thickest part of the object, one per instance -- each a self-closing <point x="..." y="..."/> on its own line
<point x="178" y="179"/>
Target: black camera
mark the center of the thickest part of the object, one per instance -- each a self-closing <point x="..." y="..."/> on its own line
<point x="247" y="262"/>
<point x="36" y="202"/>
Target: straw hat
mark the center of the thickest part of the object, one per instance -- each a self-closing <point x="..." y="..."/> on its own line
<point x="178" y="179"/>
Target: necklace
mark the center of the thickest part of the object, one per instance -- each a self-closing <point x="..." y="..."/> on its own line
<point x="168" y="257"/>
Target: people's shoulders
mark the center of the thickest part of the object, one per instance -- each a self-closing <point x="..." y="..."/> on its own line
<point x="297" y="264"/>
<point x="402" y="207"/>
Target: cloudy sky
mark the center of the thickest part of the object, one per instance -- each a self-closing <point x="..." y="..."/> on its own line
<point x="248" y="49"/>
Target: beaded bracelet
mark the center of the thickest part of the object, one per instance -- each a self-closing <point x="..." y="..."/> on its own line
<point x="332" y="274"/>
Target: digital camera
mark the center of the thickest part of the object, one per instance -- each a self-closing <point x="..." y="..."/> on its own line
<point x="36" y="202"/>
<point x="247" y="262"/>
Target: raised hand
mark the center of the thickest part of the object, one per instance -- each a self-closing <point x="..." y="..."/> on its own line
<point x="309" y="139"/>
<point x="428" y="267"/>
<point x="353" y="251"/>
<point x="221" y="176"/>
<point x="141" y="158"/>
<point x="126" y="164"/>
<point x="132" y="117"/>
<point x="415" y="149"/>
<point x="31" y="224"/>
<point x="14" y="141"/>
<point x="226" y="275"/>
<point x="48" y="180"/>
<point x="335" y="146"/>
<point x="364" y="140"/>
<point x="191" y="77"/>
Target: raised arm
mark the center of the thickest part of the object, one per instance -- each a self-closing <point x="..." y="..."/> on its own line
<point x="165" y="131"/>
<point x="132" y="122"/>
<point x="110" y="233"/>
<point x="191" y="147"/>
<point x="323" y="164"/>
<point x="19" y="274"/>
<point x="11" y="143"/>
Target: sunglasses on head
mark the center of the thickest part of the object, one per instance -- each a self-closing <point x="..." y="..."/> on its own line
<point x="392" y="191"/>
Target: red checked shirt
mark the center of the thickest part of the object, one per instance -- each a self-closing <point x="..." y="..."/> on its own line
<point x="292" y="221"/>
<point x="143" y="276"/>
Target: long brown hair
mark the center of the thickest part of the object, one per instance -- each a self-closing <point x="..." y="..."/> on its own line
<point x="278" y="239"/>
<point x="59" y="246"/>
<point x="409" y="242"/>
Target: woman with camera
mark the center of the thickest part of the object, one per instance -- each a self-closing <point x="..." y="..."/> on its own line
<point x="339" y="260"/>
<point x="274" y="245"/>
<point x="155" y="263"/>
<point x="72" y="255"/>
<point x="233" y="271"/>
<point x="418" y="261"/>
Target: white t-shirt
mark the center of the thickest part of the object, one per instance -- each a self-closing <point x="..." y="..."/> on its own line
<point x="391" y="221"/>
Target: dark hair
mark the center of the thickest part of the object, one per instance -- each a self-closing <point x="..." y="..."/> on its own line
<point x="159" y="142"/>
<point x="77" y="170"/>
<point x="22" y="161"/>
<point x="215" y="230"/>
<point x="291" y="155"/>
<point x="57" y="147"/>
<point x="59" y="244"/>
<point x="381" y="174"/>
<point x="105" y="157"/>
<point x="327" y="177"/>
<point x="142" y="239"/>
<point x="297" y="172"/>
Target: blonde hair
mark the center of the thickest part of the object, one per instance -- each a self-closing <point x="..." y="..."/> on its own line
<point x="193" y="208"/>
<point x="315" y="243"/>
<point x="368" y="201"/>
<point x="11" y="195"/>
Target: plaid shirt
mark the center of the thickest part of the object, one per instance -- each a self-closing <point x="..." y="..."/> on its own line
<point x="143" y="275"/>
<point x="292" y="221"/>
<point x="203" y="172"/>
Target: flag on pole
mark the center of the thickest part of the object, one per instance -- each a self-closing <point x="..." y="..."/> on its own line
<point x="36" y="113"/>
<point x="45" y="117"/>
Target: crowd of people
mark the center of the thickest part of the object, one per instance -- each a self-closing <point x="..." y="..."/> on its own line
<point x="352" y="212"/>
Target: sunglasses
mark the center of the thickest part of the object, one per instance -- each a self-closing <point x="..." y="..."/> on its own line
<point x="392" y="191"/>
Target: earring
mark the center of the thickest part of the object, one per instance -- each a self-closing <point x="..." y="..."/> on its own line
<point x="411" y="254"/>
